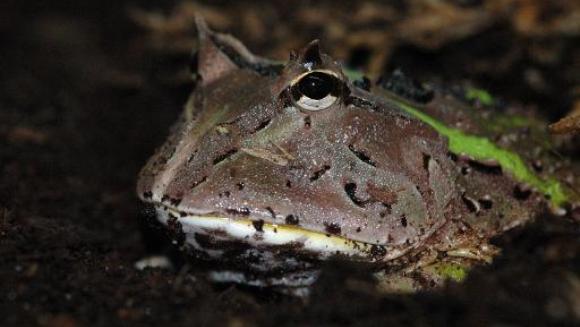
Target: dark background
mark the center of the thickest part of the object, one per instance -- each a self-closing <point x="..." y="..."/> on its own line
<point x="89" y="88"/>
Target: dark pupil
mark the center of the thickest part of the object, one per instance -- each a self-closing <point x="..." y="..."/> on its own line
<point x="316" y="85"/>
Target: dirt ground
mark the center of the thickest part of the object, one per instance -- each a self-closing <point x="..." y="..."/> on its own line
<point x="87" y="91"/>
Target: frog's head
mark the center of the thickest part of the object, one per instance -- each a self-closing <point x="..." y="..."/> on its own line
<point x="275" y="155"/>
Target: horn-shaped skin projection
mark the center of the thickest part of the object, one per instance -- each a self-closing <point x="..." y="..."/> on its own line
<point x="273" y="167"/>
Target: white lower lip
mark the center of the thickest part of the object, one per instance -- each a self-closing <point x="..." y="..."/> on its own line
<point x="270" y="235"/>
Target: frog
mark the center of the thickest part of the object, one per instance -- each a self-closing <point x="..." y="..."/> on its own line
<point x="274" y="167"/>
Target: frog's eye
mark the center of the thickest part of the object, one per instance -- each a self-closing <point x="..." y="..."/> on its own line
<point x="316" y="90"/>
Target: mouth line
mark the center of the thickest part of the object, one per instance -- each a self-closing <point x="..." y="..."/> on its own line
<point x="260" y="233"/>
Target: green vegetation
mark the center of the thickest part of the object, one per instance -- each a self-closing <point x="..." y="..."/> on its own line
<point x="452" y="271"/>
<point x="481" y="95"/>
<point x="481" y="148"/>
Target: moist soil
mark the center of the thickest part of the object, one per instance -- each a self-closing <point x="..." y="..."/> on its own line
<point x="84" y="101"/>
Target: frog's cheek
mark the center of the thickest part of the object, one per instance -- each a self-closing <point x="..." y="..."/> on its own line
<point x="263" y="235"/>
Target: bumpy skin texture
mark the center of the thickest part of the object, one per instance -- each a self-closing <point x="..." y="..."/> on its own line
<point x="362" y="168"/>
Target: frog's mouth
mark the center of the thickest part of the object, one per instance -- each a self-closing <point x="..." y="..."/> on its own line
<point x="262" y="235"/>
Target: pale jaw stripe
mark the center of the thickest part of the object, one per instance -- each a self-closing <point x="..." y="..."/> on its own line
<point x="275" y="235"/>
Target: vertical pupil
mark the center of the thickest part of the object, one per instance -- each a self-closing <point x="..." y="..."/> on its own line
<point x="316" y="85"/>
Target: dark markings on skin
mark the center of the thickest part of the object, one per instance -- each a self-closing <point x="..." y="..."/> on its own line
<point x="288" y="183"/>
<point x="486" y="203"/>
<point x="258" y="225"/>
<point x="388" y="209"/>
<point x="426" y="159"/>
<point x="362" y="156"/>
<point x="271" y="211"/>
<point x="358" y="229"/>
<point x="224" y="156"/>
<point x="378" y="251"/>
<point x="350" y="189"/>
<point x="317" y="174"/>
<point x="307" y="122"/>
<point x="332" y="228"/>
<point x="196" y="183"/>
<point x="522" y="192"/>
<point x="262" y="125"/>
<point x="292" y="220"/>
<point x="486" y="168"/>
<point x="243" y="211"/>
<point x="404" y="221"/>
<point x="147" y="195"/>
<point x="240" y="186"/>
<point x="224" y="194"/>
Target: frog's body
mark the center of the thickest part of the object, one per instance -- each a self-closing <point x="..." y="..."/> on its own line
<point x="275" y="167"/>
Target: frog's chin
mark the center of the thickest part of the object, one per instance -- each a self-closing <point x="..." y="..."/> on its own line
<point x="264" y="235"/>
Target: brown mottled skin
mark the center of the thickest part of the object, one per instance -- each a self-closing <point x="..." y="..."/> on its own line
<point x="361" y="168"/>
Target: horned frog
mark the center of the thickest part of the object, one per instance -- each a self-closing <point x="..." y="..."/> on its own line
<point x="273" y="167"/>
